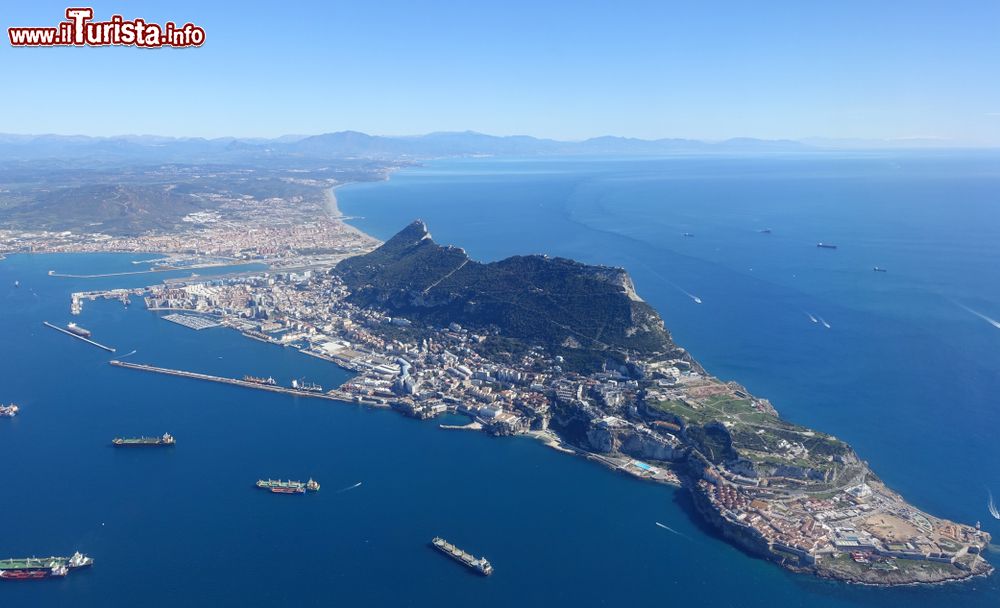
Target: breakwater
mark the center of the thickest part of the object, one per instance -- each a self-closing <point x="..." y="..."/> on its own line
<point x="333" y="395"/>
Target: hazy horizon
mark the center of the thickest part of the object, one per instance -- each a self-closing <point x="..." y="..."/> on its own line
<point x="817" y="142"/>
<point x="565" y="71"/>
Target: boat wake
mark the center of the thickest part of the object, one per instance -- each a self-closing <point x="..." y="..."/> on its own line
<point x="823" y="321"/>
<point x="695" y="298"/>
<point x="128" y="355"/>
<point x="989" y="320"/>
<point x="991" y="506"/>
<point x="671" y="530"/>
<point x="357" y="485"/>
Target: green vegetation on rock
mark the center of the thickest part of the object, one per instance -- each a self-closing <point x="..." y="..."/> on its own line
<point x="585" y="313"/>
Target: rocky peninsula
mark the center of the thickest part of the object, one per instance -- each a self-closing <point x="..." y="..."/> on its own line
<point x="571" y="353"/>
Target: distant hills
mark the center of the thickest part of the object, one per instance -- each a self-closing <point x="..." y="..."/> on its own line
<point x="472" y="143"/>
<point x="357" y="145"/>
<point x="353" y="144"/>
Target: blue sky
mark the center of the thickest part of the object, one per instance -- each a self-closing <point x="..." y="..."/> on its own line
<point x="568" y="70"/>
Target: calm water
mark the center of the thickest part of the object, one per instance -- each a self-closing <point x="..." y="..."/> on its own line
<point x="904" y="373"/>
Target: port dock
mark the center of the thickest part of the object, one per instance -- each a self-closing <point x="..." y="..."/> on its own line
<point x="332" y="395"/>
<point x="78" y="337"/>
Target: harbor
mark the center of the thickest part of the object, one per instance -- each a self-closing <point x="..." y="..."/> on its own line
<point x="78" y="336"/>
<point x="124" y="296"/>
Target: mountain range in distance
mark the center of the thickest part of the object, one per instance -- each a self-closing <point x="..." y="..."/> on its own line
<point x="354" y="144"/>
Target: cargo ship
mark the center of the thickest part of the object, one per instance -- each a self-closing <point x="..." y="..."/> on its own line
<point x="480" y="564"/>
<point x="76" y="329"/>
<point x="826" y="246"/>
<point x="289" y="490"/>
<point x="311" y="387"/>
<point x="8" y="411"/>
<point x="31" y="568"/>
<point x="269" y="381"/>
<point x="288" y="487"/>
<point x="166" y="439"/>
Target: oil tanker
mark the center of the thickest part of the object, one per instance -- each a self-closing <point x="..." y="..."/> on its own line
<point x="166" y="439"/>
<point x="76" y="329"/>
<point x="30" y="568"/>
<point x="479" y="564"/>
<point x="277" y="486"/>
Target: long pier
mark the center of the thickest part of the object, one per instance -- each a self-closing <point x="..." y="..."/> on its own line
<point x="78" y="337"/>
<point x="332" y="395"/>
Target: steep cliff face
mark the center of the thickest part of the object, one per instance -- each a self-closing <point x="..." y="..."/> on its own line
<point x="645" y="446"/>
<point x="636" y="442"/>
<point x="559" y="303"/>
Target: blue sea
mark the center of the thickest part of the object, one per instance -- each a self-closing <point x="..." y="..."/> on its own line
<point x="906" y="372"/>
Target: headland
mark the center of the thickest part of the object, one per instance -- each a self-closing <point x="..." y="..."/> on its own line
<point x="572" y="355"/>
